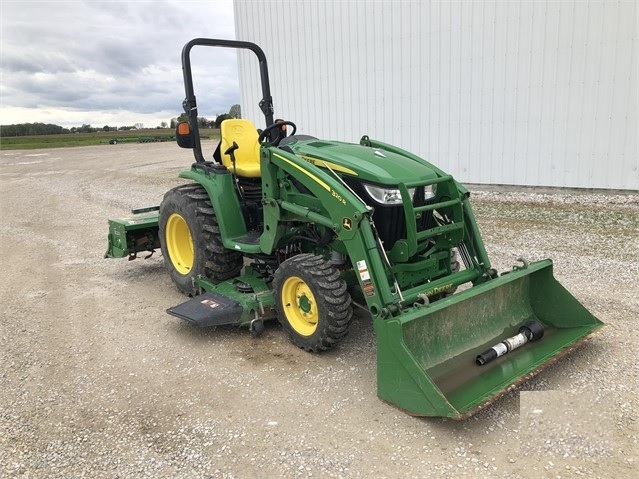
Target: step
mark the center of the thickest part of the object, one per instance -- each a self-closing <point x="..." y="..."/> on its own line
<point x="208" y="309"/>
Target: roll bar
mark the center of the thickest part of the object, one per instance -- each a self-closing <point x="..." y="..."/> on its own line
<point x="190" y="105"/>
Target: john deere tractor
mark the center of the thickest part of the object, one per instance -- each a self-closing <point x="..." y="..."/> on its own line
<point x="280" y="225"/>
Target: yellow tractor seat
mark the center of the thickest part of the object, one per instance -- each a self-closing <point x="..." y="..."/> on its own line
<point x="247" y="154"/>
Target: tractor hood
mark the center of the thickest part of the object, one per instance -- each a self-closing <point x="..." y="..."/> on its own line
<point x="368" y="164"/>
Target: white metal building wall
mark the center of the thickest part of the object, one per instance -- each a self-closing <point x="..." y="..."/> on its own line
<point x="518" y="92"/>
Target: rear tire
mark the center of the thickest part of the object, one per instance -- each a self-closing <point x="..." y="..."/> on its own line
<point x="312" y="303"/>
<point x="190" y="239"/>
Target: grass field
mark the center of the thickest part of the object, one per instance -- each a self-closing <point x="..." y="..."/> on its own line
<point x="97" y="138"/>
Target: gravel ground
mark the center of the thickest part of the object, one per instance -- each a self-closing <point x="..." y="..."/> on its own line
<point x="97" y="382"/>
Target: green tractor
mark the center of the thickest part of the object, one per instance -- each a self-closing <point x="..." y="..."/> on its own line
<point x="299" y="229"/>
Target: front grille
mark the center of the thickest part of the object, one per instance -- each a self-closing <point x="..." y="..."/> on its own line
<point x="390" y="220"/>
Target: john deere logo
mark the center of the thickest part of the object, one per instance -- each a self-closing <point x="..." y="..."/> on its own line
<point x="347" y="224"/>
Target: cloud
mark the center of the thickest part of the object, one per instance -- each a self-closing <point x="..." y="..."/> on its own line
<point x="98" y="61"/>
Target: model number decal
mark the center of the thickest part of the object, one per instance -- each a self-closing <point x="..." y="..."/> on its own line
<point x="338" y="197"/>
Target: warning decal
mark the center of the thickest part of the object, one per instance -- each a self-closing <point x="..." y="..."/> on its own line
<point x="210" y="303"/>
<point x="367" y="284"/>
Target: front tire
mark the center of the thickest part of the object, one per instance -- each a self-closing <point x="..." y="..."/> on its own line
<point x="190" y="239"/>
<point x="312" y="303"/>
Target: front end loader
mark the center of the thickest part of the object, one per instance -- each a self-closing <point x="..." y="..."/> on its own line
<point x="299" y="229"/>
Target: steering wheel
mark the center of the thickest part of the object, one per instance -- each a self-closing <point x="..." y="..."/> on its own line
<point x="266" y="131"/>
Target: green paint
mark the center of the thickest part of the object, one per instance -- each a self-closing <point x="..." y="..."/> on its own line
<point x="134" y="234"/>
<point x="426" y="356"/>
<point x="315" y="199"/>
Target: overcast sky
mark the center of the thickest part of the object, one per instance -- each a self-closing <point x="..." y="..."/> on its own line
<point x="111" y="63"/>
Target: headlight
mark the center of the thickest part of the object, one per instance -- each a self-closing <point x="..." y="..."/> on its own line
<point x="392" y="196"/>
<point x="429" y="191"/>
<point x="386" y="196"/>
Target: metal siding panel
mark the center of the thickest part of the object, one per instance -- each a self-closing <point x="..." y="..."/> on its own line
<point x="455" y="90"/>
<point x="613" y="110"/>
<point x="320" y="105"/>
<point x="365" y="77"/>
<point x="488" y="95"/>
<point x="250" y="89"/>
<point x="503" y="133"/>
<point x="587" y="165"/>
<point x="535" y="50"/>
<point x="628" y="173"/>
<point x="414" y="93"/>
<point x="467" y="82"/>
<point x="421" y="79"/>
<point x="435" y="75"/>
<point x="497" y="100"/>
<point x="624" y="104"/>
<point x="524" y="162"/>
<point x="474" y="79"/>
<point x="510" y="92"/>
<point x="598" y="144"/>
<point x="547" y="93"/>
<point x="562" y="92"/>
<point x="570" y="171"/>
<point x="531" y="93"/>
<point x="445" y="82"/>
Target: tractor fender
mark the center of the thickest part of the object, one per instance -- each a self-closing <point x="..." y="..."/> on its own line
<point x="224" y="200"/>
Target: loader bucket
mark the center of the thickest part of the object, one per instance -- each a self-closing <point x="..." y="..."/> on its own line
<point x="426" y="357"/>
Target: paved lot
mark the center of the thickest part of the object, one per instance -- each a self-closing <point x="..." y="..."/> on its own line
<point x="97" y="381"/>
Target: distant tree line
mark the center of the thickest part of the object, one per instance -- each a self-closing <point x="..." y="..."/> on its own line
<point x="31" y="129"/>
<point x="202" y="122"/>
<point x="28" y="129"/>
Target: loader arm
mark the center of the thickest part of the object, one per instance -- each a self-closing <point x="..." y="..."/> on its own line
<point x="336" y="208"/>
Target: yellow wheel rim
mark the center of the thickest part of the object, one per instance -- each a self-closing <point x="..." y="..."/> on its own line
<point x="299" y="306"/>
<point x="179" y="243"/>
